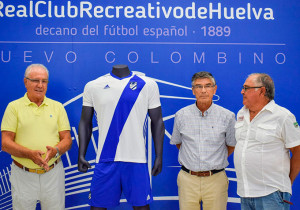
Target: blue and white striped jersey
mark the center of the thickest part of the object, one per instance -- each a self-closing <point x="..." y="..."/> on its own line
<point x="121" y="106"/>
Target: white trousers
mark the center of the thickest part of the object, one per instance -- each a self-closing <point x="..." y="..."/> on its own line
<point x="27" y="188"/>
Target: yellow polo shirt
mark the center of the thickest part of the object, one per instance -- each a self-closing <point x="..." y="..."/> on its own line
<point x="35" y="126"/>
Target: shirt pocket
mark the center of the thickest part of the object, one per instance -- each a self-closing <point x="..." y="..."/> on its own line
<point x="219" y="133"/>
<point x="238" y="130"/>
<point x="265" y="133"/>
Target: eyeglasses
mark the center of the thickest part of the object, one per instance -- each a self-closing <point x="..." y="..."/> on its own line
<point x="37" y="81"/>
<point x="206" y="87"/>
<point x="245" y="88"/>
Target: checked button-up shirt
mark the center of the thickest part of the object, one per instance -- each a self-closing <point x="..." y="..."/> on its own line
<point x="204" y="138"/>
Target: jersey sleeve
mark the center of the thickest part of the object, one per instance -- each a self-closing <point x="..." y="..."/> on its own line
<point x="153" y="91"/>
<point x="10" y="119"/>
<point x="87" y="96"/>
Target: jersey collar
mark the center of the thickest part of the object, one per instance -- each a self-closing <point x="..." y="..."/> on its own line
<point x="114" y="76"/>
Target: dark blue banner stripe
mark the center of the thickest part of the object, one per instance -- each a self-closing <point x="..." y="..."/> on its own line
<point x="124" y="107"/>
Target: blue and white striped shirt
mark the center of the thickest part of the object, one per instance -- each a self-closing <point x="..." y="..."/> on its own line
<point x="121" y="105"/>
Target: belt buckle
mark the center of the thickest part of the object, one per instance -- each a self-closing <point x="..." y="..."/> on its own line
<point x="204" y="173"/>
<point x="37" y="171"/>
<point x="40" y="171"/>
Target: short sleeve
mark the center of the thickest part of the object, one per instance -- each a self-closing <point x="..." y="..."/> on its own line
<point x="153" y="91"/>
<point x="10" y="119"/>
<point x="63" y="121"/>
<point x="87" y="96"/>
<point x="291" y="132"/>
<point x="230" y="131"/>
<point x="176" y="137"/>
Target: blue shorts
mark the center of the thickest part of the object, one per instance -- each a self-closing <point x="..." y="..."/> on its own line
<point x="112" y="178"/>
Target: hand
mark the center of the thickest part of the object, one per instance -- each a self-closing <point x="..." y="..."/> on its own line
<point x="36" y="157"/>
<point x="51" y="152"/>
<point x="83" y="165"/>
<point x="157" y="166"/>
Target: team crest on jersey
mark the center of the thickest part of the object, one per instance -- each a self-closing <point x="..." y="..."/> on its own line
<point x="133" y="85"/>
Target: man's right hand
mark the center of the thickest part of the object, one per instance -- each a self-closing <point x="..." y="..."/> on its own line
<point x="83" y="165"/>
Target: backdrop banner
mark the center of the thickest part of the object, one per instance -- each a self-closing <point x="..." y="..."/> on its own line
<point x="170" y="40"/>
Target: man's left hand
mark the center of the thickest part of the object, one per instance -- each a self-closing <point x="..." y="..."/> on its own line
<point x="51" y="152"/>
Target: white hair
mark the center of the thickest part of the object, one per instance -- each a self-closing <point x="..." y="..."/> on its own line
<point x="29" y="68"/>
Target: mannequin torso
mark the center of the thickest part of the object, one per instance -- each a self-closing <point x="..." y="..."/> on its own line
<point x="85" y="125"/>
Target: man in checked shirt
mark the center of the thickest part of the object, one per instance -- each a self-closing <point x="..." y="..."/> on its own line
<point x="204" y="134"/>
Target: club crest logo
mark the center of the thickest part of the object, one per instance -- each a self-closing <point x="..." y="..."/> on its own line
<point x="133" y="85"/>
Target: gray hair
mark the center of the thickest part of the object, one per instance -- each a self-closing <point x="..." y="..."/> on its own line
<point x="203" y="75"/>
<point x="29" y="68"/>
<point x="266" y="81"/>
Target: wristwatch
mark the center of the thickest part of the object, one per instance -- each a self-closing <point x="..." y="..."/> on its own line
<point x="57" y="152"/>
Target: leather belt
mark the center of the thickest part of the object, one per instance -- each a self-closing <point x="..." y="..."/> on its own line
<point x="38" y="171"/>
<point x="201" y="173"/>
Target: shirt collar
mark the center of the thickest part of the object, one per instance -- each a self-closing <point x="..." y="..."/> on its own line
<point x="28" y="102"/>
<point x="207" y="112"/>
<point x="270" y="106"/>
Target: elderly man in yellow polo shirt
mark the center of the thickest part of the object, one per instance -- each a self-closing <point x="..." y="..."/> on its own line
<point x="36" y="132"/>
